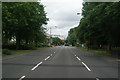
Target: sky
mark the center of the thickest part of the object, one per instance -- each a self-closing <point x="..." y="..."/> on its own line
<point x="62" y="15"/>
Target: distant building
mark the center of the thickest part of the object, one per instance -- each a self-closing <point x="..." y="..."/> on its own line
<point x="61" y="37"/>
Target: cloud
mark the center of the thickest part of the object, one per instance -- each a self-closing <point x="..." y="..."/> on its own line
<point x="63" y="14"/>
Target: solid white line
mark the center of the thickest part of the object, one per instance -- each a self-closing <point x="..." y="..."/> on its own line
<point x="36" y="66"/>
<point x="86" y="66"/>
<point x="22" y="77"/>
<point x="78" y="58"/>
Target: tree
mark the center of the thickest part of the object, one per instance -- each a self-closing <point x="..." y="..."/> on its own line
<point x="23" y="21"/>
<point x="72" y="37"/>
<point x="100" y="24"/>
<point x="56" y="41"/>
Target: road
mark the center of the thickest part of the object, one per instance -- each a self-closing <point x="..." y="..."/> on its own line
<point x="60" y="62"/>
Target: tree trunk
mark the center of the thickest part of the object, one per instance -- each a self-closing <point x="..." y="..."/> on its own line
<point x="36" y="43"/>
<point x="109" y="47"/>
<point x="17" y="43"/>
<point x="26" y="41"/>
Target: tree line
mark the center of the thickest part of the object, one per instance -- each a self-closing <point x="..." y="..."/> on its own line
<point x="56" y="41"/>
<point x="100" y="25"/>
<point x="23" y="24"/>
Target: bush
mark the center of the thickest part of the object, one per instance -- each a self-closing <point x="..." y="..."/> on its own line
<point x="9" y="46"/>
<point x="42" y="45"/>
<point x="6" y="52"/>
<point x="27" y="47"/>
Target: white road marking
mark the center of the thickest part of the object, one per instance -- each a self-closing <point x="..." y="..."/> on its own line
<point x="97" y="78"/>
<point x="86" y="66"/>
<point x="22" y="77"/>
<point x="36" y="66"/>
<point x="75" y="55"/>
<point x="78" y="58"/>
<point x="51" y="55"/>
<point x="54" y="52"/>
<point x="47" y="58"/>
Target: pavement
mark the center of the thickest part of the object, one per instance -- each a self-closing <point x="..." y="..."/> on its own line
<point x="60" y="62"/>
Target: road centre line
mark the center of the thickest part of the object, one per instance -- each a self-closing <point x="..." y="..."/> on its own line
<point x="78" y="58"/>
<point x="22" y="77"/>
<point x="36" y="66"/>
<point x="86" y="66"/>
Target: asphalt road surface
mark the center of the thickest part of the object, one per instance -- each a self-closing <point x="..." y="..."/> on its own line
<point x="60" y="62"/>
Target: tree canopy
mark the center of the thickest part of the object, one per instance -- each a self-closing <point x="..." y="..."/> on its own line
<point x="22" y="22"/>
<point x="100" y="24"/>
<point x="56" y="41"/>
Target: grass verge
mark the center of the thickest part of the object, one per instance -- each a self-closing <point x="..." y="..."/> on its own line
<point x="19" y="51"/>
<point x="98" y="51"/>
<point x="102" y="52"/>
<point x="14" y="52"/>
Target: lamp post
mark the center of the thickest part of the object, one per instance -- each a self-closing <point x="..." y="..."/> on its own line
<point x="50" y="37"/>
<point x="50" y="42"/>
<point x="77" y="41"/>
<point x="78" y="13"/>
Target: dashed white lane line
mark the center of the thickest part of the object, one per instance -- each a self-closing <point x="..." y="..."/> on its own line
<point x="47" y="58"/>
<point x="97" y="78"/>
<point x="36" y="66"/>
<point x="86" y="66"/>
<point x="22" y="77"/>
<point x="51" y="55"/>
<point x="78" y="58"/>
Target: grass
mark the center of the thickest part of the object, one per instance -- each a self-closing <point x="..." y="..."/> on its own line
<point x="97" y="51"/>
<point x="22" y="51"/>
<point x="13" y="52"/>
<point x="19" y="51"/>
<point x="83" y="48"/>
<point x="101" y="52"/>
<point x="39" y="48"/>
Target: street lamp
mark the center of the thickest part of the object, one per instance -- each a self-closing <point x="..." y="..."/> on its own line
<point x="50" y="42"/>
<point x="78" y="13"/>
<point x="77" y="41"/>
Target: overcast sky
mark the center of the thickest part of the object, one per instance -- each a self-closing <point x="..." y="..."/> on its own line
<point x="63" y="15"/>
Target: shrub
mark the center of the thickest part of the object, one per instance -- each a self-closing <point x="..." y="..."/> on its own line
<point x="42" y="45"/>
<point x="28" y="47"/>
<point x="6" y="52"/>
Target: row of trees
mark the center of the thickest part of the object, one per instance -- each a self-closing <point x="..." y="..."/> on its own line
<point x="56" y="41"/>
<point x="22" y="23"/>
<point x="100" y="25"/>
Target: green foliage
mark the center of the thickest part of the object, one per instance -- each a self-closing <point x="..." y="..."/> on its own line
<point x="56" y="41"/>
<point x="6" y="52"/>
<point x="43" y="45"/>
<point x="100" y="24"/>
<point x="23" y="22"/>
<point x="72" y="36"/>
